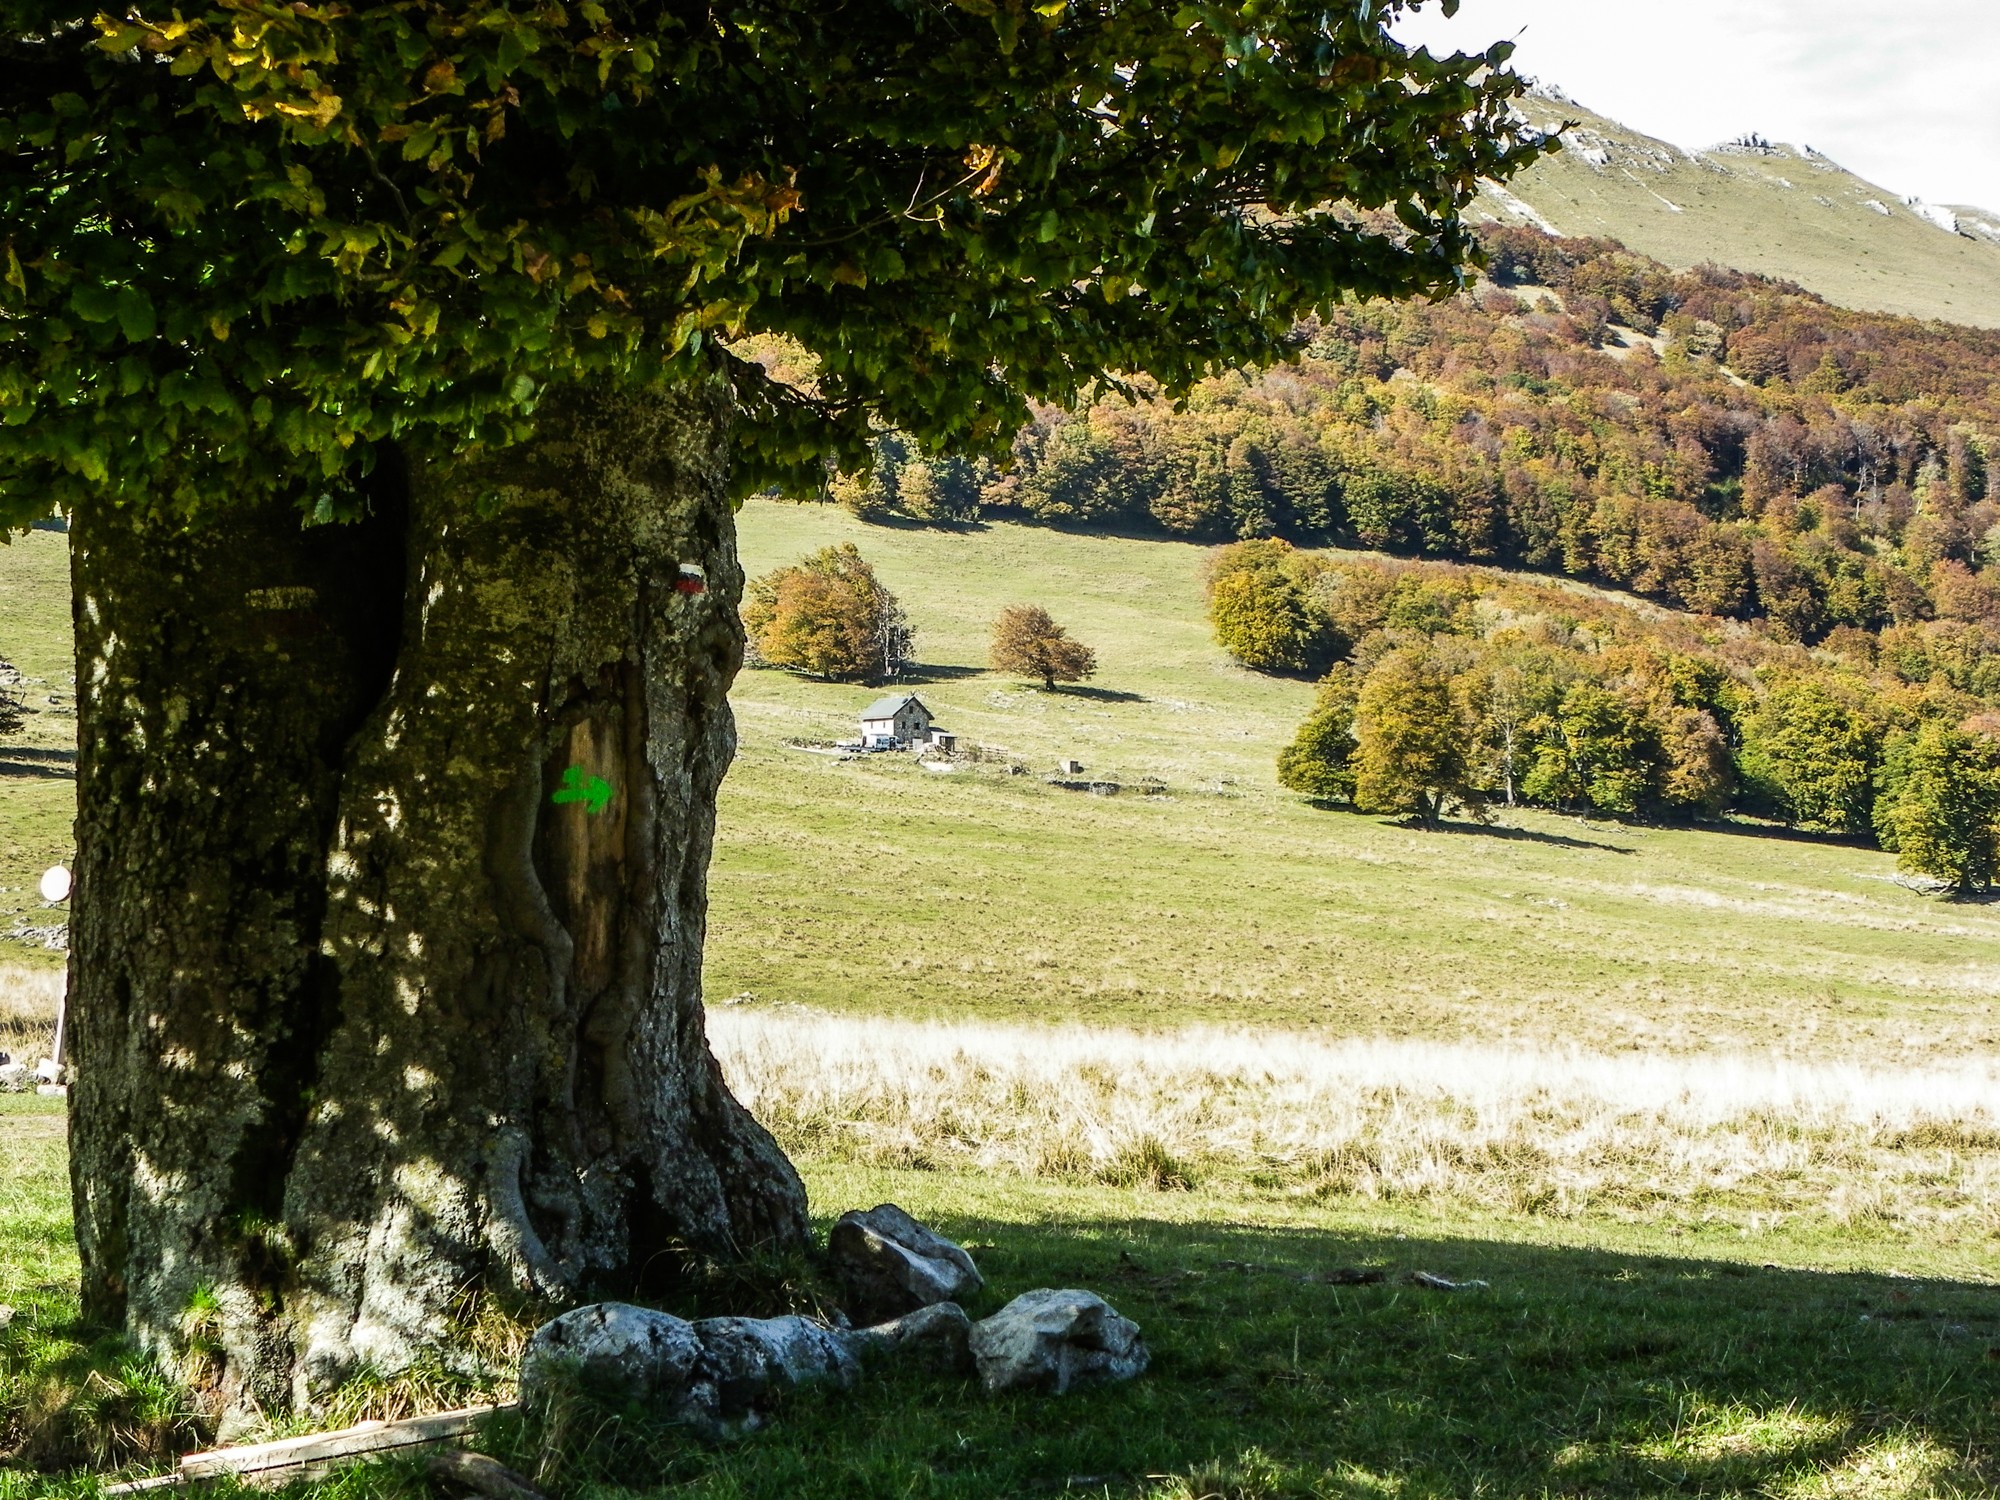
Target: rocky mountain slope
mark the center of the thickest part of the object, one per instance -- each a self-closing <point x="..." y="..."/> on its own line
<point x="1756" y="205"/>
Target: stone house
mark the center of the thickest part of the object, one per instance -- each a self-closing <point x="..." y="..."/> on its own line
<point x="900" y="718"/>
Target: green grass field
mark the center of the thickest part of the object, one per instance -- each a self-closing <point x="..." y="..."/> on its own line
<point x="878" y="886"/>
<point x="1609" y="1362"/>
<point x="1760" y="1348"/>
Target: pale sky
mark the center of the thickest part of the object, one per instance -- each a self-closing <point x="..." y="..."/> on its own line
<point x="1904" y="92"/>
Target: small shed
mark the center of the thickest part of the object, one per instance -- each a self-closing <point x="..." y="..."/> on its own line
<point x="900" y="718"/>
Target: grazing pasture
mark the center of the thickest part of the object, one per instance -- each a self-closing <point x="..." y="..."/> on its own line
<point x="38" y="764"/>
<point x="1213" y="898"/>
<point x="1294" y="1356"/>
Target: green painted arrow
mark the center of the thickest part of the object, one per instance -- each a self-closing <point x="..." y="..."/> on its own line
<point x="592" y="791"/>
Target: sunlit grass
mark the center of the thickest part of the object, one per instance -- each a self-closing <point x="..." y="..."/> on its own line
<point x="875" y="887"/>
<point x="28" y="1001"/>
<point x="1694" y="1140"/>
<point x="1603" y="1359"/>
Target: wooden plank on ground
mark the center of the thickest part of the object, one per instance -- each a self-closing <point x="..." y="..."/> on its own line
<point x="283" y="1460"/>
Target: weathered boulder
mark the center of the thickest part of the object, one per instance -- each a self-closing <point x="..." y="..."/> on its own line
<point x="748" y="1361"/>
<point x="718" y="1376"/>
<point x="1056" y="1341"/>
<point x="888" y="1264"/>
<point x="934" y="1338"/>
<point x="15" y="1076"/>
<point x="614" y="1351"/>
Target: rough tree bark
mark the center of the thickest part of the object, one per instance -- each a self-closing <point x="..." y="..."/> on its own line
<point x="371" y="1009"/>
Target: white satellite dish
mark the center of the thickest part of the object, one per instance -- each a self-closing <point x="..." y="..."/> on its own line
<point x="55" y="884"/>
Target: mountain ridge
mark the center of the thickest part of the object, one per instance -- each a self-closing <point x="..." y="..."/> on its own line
<point x="1754" y="205"/>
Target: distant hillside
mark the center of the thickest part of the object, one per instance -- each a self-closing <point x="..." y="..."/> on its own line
<point x="1711" y="439"/>
<point x="1779" y="210"/>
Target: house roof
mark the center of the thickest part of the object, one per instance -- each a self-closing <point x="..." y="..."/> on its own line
<point x="889" y="707"/>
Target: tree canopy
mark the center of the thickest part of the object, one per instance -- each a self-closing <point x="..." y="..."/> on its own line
<point x="1413" y="737"/>
<point x="1319" y="762"/>
<point x="1552" y="698"/>
<point x="1258" y="602"/>
<point x="1505" y="425"/>
<point x="249" y="243"/>
<point x="1028" y="642"/>
<point x="828" y="616"/>
<point x="1939" y="808"/>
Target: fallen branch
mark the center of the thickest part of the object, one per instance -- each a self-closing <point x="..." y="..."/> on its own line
<point x="280" y="1462"/>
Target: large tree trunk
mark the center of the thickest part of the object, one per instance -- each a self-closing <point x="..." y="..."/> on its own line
<point x="374" y="1004"/>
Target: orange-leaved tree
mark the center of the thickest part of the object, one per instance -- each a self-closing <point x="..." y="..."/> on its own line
<point x="828" y="616"/>
<point x="1029" y="643"/>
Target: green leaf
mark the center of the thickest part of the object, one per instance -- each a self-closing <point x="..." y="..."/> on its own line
<point x="515" y="45"/>
<point x="94" y="303"/>
<point x="135" y="316"/>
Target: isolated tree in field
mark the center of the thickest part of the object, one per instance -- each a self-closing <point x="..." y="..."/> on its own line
<point x="828" y="616"/>
<point x="394" y="825"/>
<point x="1319" y="762"/>
<point x="1939" y="808"/>
<point x="1413" y="739"/>
<point x="1027" y="642"/>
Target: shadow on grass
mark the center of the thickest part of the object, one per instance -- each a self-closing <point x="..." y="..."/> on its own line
<point x="920" y="672"/>
<point x="1281" y="1370"/>
<point x="1758" y="828"/>
<point x="891" y="522"/>
<point x="1575" y="1372"/>
<point x="21" y="761"/>
<point x="1527" y="836"/>
<point x="1098" y="695"/>
<point x="1275" y="1376"/>
<point x="1277" y="1372"/>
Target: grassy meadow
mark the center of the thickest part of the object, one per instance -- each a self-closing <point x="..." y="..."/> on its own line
<point x="1701" y="1146"/>
<point x="876" y="886"/>
<point x="1714" y="1114"/>
<point x="1605" y="1361"/>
